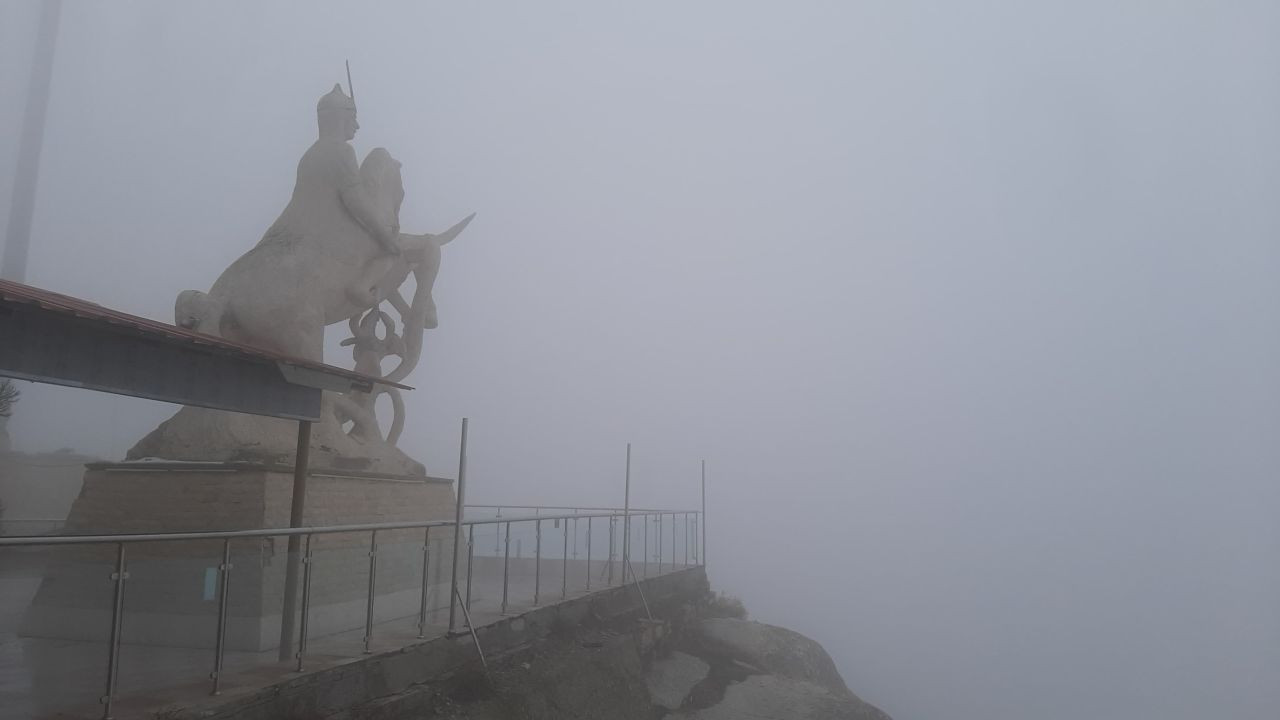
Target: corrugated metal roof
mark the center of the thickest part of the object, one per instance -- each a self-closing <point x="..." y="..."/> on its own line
<point x="164" y="332"/>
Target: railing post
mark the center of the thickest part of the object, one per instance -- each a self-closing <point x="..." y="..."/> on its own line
<point x="308" y="560"/>
<point x="686" y="539"/>
<point x="626" y="519"/>
<point x="373" y="579"/>
<point x="673" y="542"/>
<point x="564" y="575"/>
<point x="117" y="620"/>
<point x="506" y="565"/>
<point x="646" y="545"/>
<point x="589" y="519"/>
<point x="426" y="564"/>
<point x="224" y="576"/>
<point x="457" y="527"/>
<point x="703" y="546"/>
<point x="613" y="526"/>
<point x="659" y="543"/>
<point x="695" y="539"/>
<point x="537" y="562"/>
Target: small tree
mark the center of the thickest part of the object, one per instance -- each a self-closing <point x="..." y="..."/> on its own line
<point x="9" y="395"/>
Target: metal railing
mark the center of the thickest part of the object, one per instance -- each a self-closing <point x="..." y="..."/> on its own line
<point x="662" y="534"/>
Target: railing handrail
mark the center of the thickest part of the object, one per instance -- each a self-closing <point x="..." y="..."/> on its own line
<point x="667" y="511"/>
<point x="28" y="540"/>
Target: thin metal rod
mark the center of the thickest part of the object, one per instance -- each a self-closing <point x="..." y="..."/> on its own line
<point x="642" y="598"/>
<point x="117" y="620"/>
<point x="537" y="562"/>
<point x="426" y="564"/>
<point x="568" y="507"/>
<point x="471" y="556"/>
<point x="506" y="568"/>
<point x="296" y="508"/>
<point x="686" y="539"/>
<point x="457" y="527"/>
<point x="673" y="541"/>
<point x="613" y="524"/>
<point x="646" y="546"/>
<point x="224" y="578"/>
<point x="704" y="513"/>
<point x="474" y="638"/>
<point x="564" y="571"/>
<point x="626" y="519"/>
<point x="695" y="540"/>
<point x="659" y="543"/>
<point x="34" y="540"/>
<point x="589" y="553"/>
<point x="308" y="560"/>
<point x="373" y="581"/>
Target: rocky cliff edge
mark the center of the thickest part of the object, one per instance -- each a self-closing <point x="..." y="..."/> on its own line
<point x="687" y="663"/>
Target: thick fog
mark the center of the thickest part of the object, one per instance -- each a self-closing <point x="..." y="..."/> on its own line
<point x="970" y="307"/>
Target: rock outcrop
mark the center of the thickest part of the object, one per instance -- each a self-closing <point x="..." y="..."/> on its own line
<point x="761" y="672"/>
<point x="686" y="662"/>
<point x="688" y="669"/>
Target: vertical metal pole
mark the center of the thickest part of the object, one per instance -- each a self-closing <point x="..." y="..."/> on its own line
<point x="224" y="575"/>
<point x="117" y="619"/>
<point x="626" y="519"/>
<point x="564" y="574"/>
<point x="613" y="522"/>
<point x="426" y="564"/>
<point x="296" y="508"/>
<point x="13" y="264"/>
<point x="373" y="581"/>
<point x="673" y="541"/>
<point x="695" y="539"/>
<point x="589" y="554"/>
<point x="471" y="556"/>
<point x="537" y="562"/>
<point x="457" y="527"/>
<point x="307" y="562"/>
<point x="506" y="566"/>
<point x="704" y="513"/>
<point x="659" y="543"/>
<point x="646" y="545"/>
<point x="686" y="539"/>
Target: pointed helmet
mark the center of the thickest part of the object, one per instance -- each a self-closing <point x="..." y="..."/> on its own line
<point x="335" y="100"/>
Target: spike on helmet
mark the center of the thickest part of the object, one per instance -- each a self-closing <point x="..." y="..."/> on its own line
<point x="335" y="100"/>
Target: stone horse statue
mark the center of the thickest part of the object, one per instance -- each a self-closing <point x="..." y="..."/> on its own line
<point x="283" y="293"/>
<point x="336" y="253"/>
<point x="281" y="296"/>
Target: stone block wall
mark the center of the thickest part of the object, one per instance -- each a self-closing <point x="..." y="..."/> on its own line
<point x="171" y="594"/>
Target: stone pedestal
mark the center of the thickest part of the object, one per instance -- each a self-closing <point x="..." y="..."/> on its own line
<point x="171" y="595"/>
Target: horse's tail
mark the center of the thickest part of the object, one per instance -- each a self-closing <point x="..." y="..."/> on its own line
<point x="198" y="311"/>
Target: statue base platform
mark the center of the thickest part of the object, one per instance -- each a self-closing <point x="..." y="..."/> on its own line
<point x="171" y="595"/>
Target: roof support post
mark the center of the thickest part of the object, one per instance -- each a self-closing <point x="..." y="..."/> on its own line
<point x="289" y="611"/>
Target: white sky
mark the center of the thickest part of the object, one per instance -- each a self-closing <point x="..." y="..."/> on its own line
<point x="971" y="307"/>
